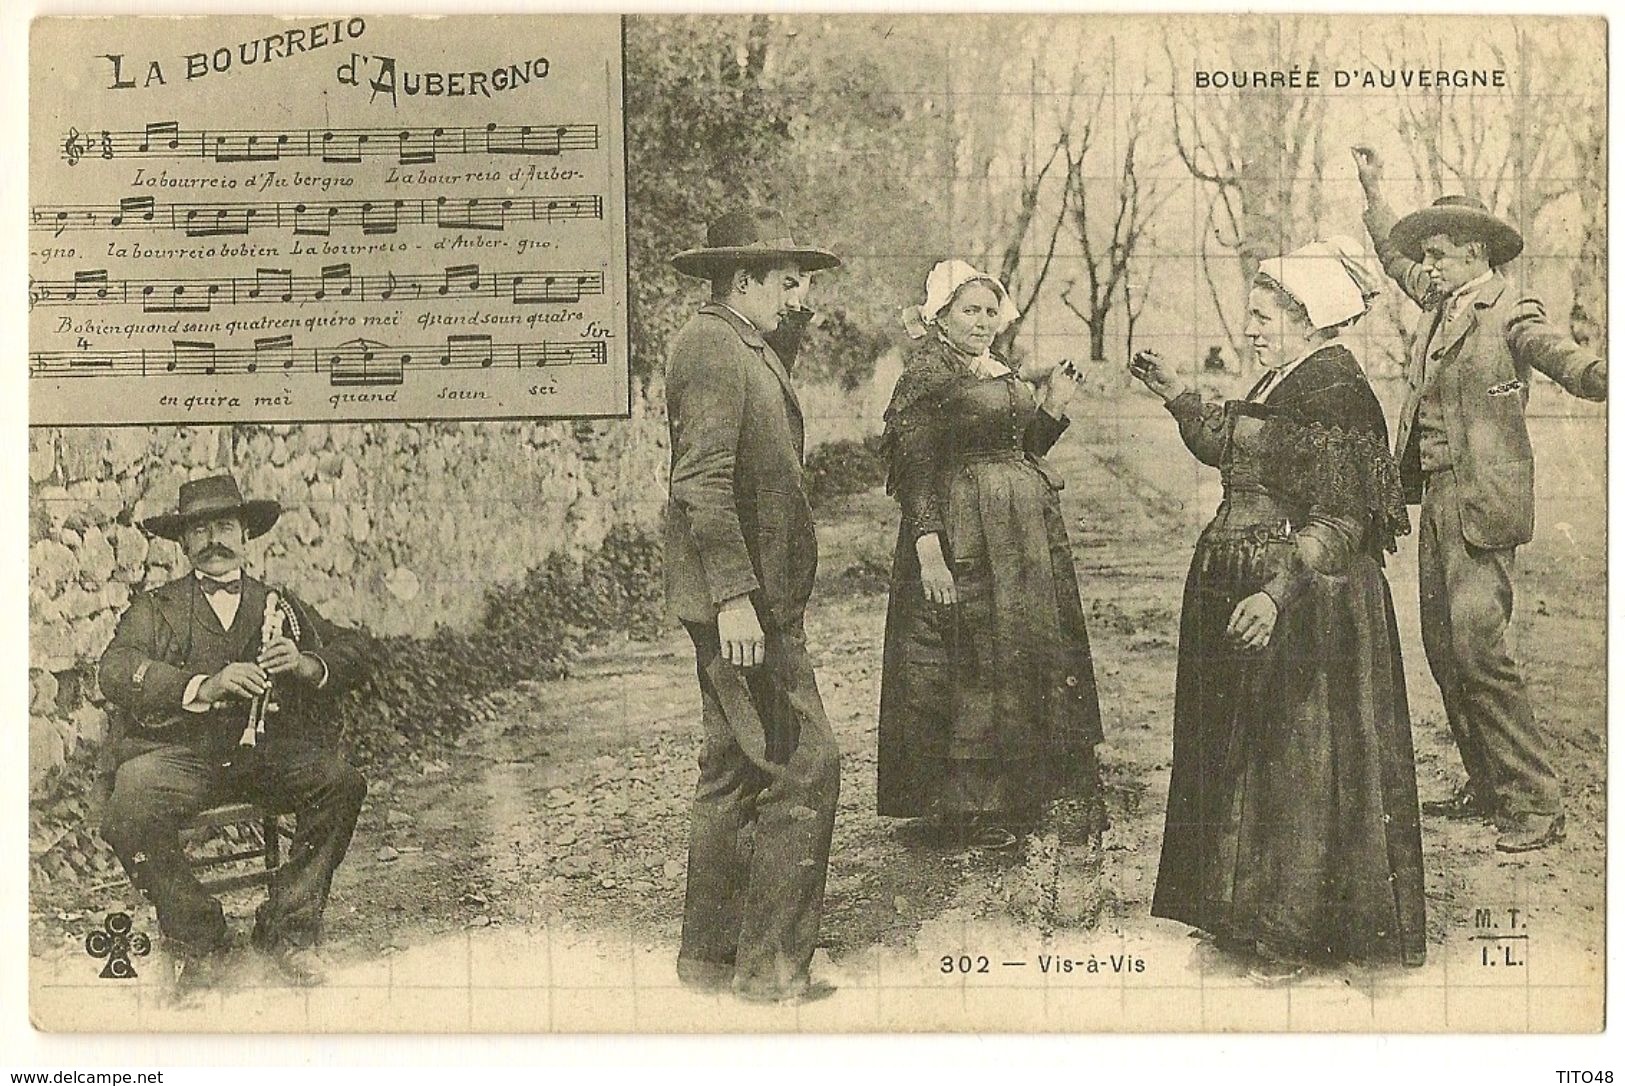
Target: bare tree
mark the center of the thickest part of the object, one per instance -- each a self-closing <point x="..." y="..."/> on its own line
<point x="1259" y="152"/>
<point x="1016" y="161"/>
<point x="1505" y="150"/>
<point x="1109" y="221"/>
<point x="1521" y="153"/>
<point x="1588" y="141"/>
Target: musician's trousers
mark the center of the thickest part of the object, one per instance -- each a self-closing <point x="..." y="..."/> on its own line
<point x="760" y="835"/>
<point x="159" y="786"/>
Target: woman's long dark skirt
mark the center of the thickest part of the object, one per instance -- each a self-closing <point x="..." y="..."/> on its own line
<point x="1292" y="812"/>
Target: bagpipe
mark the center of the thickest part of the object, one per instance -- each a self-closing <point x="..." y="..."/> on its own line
<point x="279" y="621"/>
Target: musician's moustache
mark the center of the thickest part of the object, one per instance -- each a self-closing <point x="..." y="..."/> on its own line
<point x="217" y="550"/>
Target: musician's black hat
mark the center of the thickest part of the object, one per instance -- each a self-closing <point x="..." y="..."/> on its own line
<point x="215" y="496"/>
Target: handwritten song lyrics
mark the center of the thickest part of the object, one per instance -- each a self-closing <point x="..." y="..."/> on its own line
<point x="261" y="220"/>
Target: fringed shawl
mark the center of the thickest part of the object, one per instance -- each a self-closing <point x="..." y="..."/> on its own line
<point x="1324" y="445"/>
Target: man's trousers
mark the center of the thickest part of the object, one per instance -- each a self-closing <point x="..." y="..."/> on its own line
<point x="763" y="815"/>
<point x="1466" y="595"/>
<point x="158" y="787"/>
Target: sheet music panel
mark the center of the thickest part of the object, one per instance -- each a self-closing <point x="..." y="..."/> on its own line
<point x="267" y="220"/>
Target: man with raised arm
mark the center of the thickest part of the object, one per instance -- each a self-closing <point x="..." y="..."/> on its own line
<point x="1464" y="453"/>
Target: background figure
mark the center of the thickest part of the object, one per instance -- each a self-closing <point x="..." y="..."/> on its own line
<point x="740" y="559"/>
<point x="184" y="665"/>
<point x="1292" y="834"/>
<point x="988" y="707"/>
<point x="1464" y="452"/>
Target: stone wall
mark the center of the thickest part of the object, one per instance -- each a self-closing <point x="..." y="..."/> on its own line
<point x="392" y="527"/>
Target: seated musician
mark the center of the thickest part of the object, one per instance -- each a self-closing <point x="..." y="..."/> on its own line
<point x="221" y="683"/>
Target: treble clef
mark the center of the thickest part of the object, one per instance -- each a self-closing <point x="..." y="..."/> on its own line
<point x="107" y="144"/>
<point x="74" y="148"/>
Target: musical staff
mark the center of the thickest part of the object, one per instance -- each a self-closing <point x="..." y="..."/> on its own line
<point x="355" y="362"/>
<point x="337" y="146"/>
<point x="333" y="283"/>
<point x="313" y="218"/>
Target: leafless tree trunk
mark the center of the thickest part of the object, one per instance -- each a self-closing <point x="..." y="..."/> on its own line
<point x="1110" y="226"/>
<point x="1251" y="149"/>
<point x="1588" y="138"/>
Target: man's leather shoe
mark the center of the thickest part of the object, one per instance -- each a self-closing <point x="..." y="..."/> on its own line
<point x="1527" y="833"/>
<point x="1465" y="804"/>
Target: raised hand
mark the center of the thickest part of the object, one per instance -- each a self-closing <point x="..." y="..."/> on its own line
<point x="1368" y="164"/>
<point x="1149" y="369"/>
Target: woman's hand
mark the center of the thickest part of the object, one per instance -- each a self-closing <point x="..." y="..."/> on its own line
<point x="1035" y="372"/>
<point x="935" y="578"/>
<point x="1252" y="623"/>
<point x="1150" y="370"/>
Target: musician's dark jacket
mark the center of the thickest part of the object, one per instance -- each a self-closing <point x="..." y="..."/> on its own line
<point x="171" y="634"/>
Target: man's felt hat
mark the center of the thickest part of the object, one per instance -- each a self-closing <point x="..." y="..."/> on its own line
<point x="754" y="235"/>
<point x="1454" y="215"/>
<point x="216" y="496"/>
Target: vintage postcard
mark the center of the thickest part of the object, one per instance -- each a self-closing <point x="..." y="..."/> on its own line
<point x="817" y="523"/>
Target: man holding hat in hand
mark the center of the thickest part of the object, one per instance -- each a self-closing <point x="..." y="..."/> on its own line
<point x="192" y="667"/>
<point x="740" y="559"/>
<point x="1464" y="453"/>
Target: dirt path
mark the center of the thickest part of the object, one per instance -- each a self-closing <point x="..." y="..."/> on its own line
<point x="572" y="804"/>
<point x="565" y="811"/>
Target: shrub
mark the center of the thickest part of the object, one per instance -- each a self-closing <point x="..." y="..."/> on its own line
<point x="838" y="468"/>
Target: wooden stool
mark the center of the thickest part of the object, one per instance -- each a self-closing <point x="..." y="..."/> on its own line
<point x="237" y="814"/>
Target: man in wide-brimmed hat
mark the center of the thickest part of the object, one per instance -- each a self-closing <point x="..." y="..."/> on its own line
<point x="188" y="665"/>
<point x="1464" y="453"/>
<point x="740" y="558"/>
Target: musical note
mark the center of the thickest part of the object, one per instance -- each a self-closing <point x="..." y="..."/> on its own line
<point x="467" y="274"/>
<point x="250" y="147"/>
<point x="358" y="362"/>
<point x="381" y="217"/>
<point x="526" y="140"/>
<point x="314" y="222"/>
<point x="418" y="147"/>
<point x="193" y="356"/>
<point x="275" y="352"/>
<point x="335" y="274"/>
<point x="224" y="221"/>
<point x="340" y="147"/>
<point x="472" y="214"/>
<point x="268" y="280"/>
<point x="468" y="352"/>
<point x="142" y="206"/>
<point x="170" y="129"/>
<point x="179" y="296"/>
<point x="89" y="280"/>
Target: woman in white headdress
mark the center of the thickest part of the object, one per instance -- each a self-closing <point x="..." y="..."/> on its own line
<point x="1292" y="835"/>
<point x="988" y="708"/>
